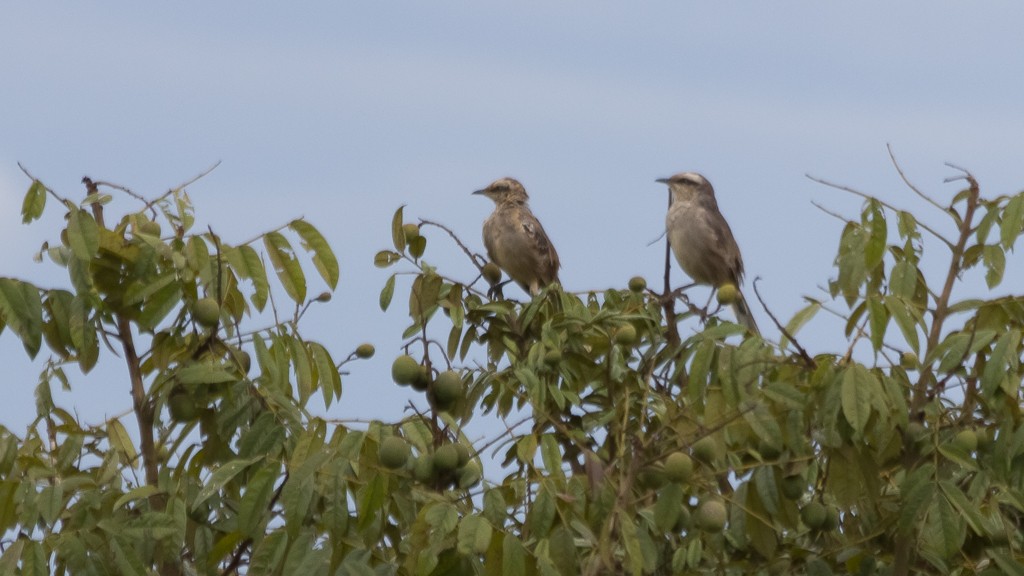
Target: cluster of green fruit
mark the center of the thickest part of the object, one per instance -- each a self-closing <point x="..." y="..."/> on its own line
<point x="670" y="475"/>
<point x="450" y="464"/>
<point x="444" y="392"/>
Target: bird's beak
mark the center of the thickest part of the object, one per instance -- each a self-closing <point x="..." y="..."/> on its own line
<point x="484" y="191"/>
<point x="662" y="180"/>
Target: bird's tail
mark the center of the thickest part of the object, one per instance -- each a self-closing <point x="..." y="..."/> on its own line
<point x="743" y="315"/>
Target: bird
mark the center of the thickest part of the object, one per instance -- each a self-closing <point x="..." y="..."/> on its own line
<point x="702" y="240"/>
<point x="515" y="240"/>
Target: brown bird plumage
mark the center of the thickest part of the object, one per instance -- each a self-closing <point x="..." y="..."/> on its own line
<point x="514" y="238"/>
<point x="702" y="240"/>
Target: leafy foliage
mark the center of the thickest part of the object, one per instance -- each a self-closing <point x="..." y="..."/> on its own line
<point x="627" y="448"/>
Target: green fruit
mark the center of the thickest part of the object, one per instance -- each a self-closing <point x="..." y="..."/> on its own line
<point x="678" y="467"/>
<point x="637" y="284"/>
<point x="206" y="312"/>
<point x="365" y="351"/>
<point x="463" y="452"/>
<point x="727" y="294"/>
<point x="491" y="273"/>
<point x="653" y="477"/>
<point x="831" y="518"/>
<point x="182" y="406"/>
<point x="916" y="431"/>
<point x="985" y="438"/>
<point x="412" y="231"/>
<point x="814" y="515"/>
<point x="446" y="458"/>
<point x="405" y="370"/>
<point x="469" y="475"/>
<point x="909" y="361"/>
<point x="793" y="487"/>
<point x="394" y="452"/>
<point x="706" y="450"/>
<point x="625" y="335"/>
<point x="711" y="516"/>
<point x="768" y="451"/>
<point x="422" y="381"/>
<point x="423" y="471"/>
<point x="447" y="389"/>
<point x="552" y="357"/>
<point x="966" y="440"/>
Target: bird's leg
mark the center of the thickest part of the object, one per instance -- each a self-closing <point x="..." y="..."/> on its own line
<point x="495" y="293"/>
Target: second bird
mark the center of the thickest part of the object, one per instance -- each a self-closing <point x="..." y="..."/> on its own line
<point x="702" y="240"/>
<point x="514" y="238"/>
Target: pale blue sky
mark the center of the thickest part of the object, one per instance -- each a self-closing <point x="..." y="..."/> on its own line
<point x="343" y="111"/>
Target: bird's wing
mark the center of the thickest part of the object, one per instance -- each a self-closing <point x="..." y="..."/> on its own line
<point x="542" y="247"/>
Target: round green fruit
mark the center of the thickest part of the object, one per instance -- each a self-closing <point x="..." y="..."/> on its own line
<point x="394" y="452"/>
<point x="637" y="284"/>
<point x="814" y="515"/>
<point x="491" y="273"/>
<point x="447" y="389"/>
<point x="552" y="357"/>
<point x="412" y="231"/>
<point x="909" y="361"/>
<point x="626" y="335"/>
<point x="405" y="370"/>
<point x="446" y="458"/>
<point x="711" y="516"/>
<point x="469" y="475"/>
<point x="793" y="487"/>
<point x="831" y="518"/>
<point x="463" y="453"/>
<point x="365" y="350"/>
<point x="678" y="467"/>
<point x="182" y="406"/>
<point x="706" y="450"/>
<point x="966" y="440"/>
<point x="422" y="381"/>
<point x="727" y="294"/>
<point x="653" y="477"/>
<point x="206" y="312"/>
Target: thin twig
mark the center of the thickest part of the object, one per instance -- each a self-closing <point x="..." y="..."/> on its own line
<point x="47" y="188"/>
<point x="882" y="202"/>
<point x="476" y="259"/>
<point x="910" y="185"/>
<point x="785" y="333"/>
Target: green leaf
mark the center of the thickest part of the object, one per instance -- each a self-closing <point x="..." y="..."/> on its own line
<point x="902" y="313"/>
<point x="303" y="367"/>
<point x="205" y="373"/>
<point x="220" y="477"/>
<point x="323" y="257"/>
<point x="387" y="293"/>
<point x="247" y="264"/>
<point x="668" y="506"/>
<point x="252" y="511"/>
<point x="397" y="232"/>
<point x="475" y="534"/>
<point x="943" y="532"/>
<point x="269" y="553"/>
<point x="995" y="368"/>
<point x="21" y="308"/>
<point x="35" y="201"/>
<point x="513" y="557"/>
<point x="800" y="318"/>
<point x="875" y="248"/>
<point x="630" y="541"/>
<point x="858" y="384"/>
<point x="965" y="508"/>
<point x="140" y="493"/>
<point x="1013" y="221"/>
<point x="289" y="272"/>
<point x="83" y="234"/>
<point x="995" y="265"/>
<point x="120" y="441"/>
<point x="878" y="317"/>
<point x="326" y="372"/>
<point x="83" y="334"/>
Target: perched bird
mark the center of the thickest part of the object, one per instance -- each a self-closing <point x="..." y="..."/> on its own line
<point x="702" y="241"/>
<point x="515" y="240"/>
